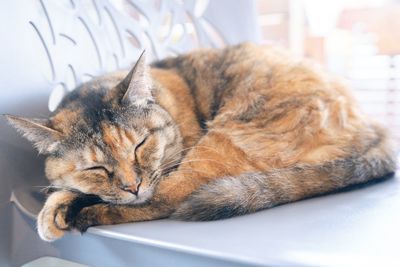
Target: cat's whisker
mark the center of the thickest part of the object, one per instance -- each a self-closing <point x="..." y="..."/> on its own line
<point x="211" y="160"/>
<point x="202" y="160"/>
<point x="195" y="146"/>
<point x="191" y="147"/>
<point x="188" y="170"/>
<point x="199" y="160"/>
<point x="176" y="164"/>
<point x="175" y="159"/>
<point x="46" y="188"/>
<point x="180" y="151"/>
<point x="169" y="162"/>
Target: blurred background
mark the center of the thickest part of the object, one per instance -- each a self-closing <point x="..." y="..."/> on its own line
<point x="358" y="39"/>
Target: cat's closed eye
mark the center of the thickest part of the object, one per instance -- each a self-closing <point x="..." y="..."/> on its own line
<point x="141" y="143"/>
<point x="99" y="168"/>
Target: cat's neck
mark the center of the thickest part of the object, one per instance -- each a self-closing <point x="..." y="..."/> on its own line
<point x="173" y="94"/>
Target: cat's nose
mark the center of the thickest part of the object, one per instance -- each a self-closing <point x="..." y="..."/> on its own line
<point x="134" y="188"/>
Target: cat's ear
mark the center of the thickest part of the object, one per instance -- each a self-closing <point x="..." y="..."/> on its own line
<point x="44" y="138"/>
<point x="137" y="85"/>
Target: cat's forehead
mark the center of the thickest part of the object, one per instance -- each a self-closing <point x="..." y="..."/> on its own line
<point x="89" y="108"/>
<point x="83" y="125"/>
<point x="115" y="144"/>
<point x="111" y="144"/>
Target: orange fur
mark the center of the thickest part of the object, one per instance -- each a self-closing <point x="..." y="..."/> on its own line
<point x="232" y="131"/>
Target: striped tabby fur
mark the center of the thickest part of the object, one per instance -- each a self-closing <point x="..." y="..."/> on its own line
<point x="203" y="136"/>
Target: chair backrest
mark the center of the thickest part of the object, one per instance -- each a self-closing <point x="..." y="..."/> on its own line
<point x="49" y="47"/>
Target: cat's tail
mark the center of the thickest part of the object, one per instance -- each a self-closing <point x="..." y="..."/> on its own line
<point x="247" y="193"/>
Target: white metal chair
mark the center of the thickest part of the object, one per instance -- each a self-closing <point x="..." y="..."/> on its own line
<point x="49" y="47"/>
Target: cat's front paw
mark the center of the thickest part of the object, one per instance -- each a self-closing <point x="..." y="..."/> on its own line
<point x="88" y="216"/>
<point x="53" y="220"/>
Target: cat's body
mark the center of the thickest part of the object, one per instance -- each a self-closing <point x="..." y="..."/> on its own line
<point x="224" y="133"/>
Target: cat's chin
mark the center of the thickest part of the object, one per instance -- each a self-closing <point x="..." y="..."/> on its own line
<point x="135" y="201"/>
<point x="140" y="199"/>
<point x="143" y="197"/>
<point x="119" y="201"/>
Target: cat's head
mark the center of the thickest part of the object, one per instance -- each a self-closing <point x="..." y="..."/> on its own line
<point x="108" y="137"/>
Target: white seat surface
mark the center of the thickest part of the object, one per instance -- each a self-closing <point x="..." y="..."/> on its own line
<point x="353" y="228"/>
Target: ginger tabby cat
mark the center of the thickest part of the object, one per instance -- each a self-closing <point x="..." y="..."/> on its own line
<point x="203" y="136"/>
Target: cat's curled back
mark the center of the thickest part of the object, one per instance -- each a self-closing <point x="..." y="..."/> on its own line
<point x="203" y="136"/>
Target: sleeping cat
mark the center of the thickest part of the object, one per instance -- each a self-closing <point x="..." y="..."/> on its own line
<point x="203" y="136"/>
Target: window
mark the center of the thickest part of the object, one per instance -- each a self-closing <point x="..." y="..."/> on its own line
<point x="355" y="39"/>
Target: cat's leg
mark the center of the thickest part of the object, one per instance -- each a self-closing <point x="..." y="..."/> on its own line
<point x="55" y="217"/>
<point x="212" y="158"/>
<point x="51" y="223"/>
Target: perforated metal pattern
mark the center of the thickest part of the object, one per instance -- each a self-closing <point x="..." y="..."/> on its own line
<point x="110" y="34"/>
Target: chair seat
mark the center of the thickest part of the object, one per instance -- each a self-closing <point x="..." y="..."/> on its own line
<point x="358" y="227"/>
